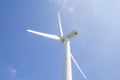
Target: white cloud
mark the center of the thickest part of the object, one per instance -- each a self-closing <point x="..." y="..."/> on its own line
<point x="78" y="6"/>
<point x="69" y="9"/>
<point x="12" y="72"/>
<point x="64" y="4"/>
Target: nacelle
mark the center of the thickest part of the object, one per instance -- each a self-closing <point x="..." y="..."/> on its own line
<point x="72" y="34"/>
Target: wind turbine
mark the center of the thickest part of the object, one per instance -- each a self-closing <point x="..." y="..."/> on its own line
<point x="67" y="74"/>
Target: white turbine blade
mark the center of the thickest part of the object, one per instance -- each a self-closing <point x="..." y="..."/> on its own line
<point x="45" y="35"/>
<point x="60" y="26"/>
<point x="78" y="67"/>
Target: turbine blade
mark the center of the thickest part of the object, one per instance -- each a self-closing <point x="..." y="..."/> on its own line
<point x="78" y="67"/>
<point x="45" y="35"/>
<point x="60" y="26"/>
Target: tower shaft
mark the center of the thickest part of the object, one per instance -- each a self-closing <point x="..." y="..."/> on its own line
<point x="67" y="73"/>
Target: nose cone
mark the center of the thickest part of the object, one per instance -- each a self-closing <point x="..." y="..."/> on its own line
<point x="62" y="40"/>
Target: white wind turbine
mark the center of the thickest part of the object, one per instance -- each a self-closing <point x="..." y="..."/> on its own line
<point x="67" y="74"/>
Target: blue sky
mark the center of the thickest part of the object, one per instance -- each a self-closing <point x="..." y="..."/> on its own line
<point x="25" y="56"/>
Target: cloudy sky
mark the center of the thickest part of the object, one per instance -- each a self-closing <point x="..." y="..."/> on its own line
<point x="25" y="56"/>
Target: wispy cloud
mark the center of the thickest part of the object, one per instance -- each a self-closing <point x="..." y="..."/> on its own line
<point x="64" y="4"/>
<point x="12" y="72"/>
<point x="79" y="6"/>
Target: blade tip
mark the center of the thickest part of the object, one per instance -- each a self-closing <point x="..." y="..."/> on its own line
<point x="28" y="30"/>
<point x="58" y="13"/>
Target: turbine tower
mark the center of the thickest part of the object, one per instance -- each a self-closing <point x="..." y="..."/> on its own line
<point x="67" y="74"/>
